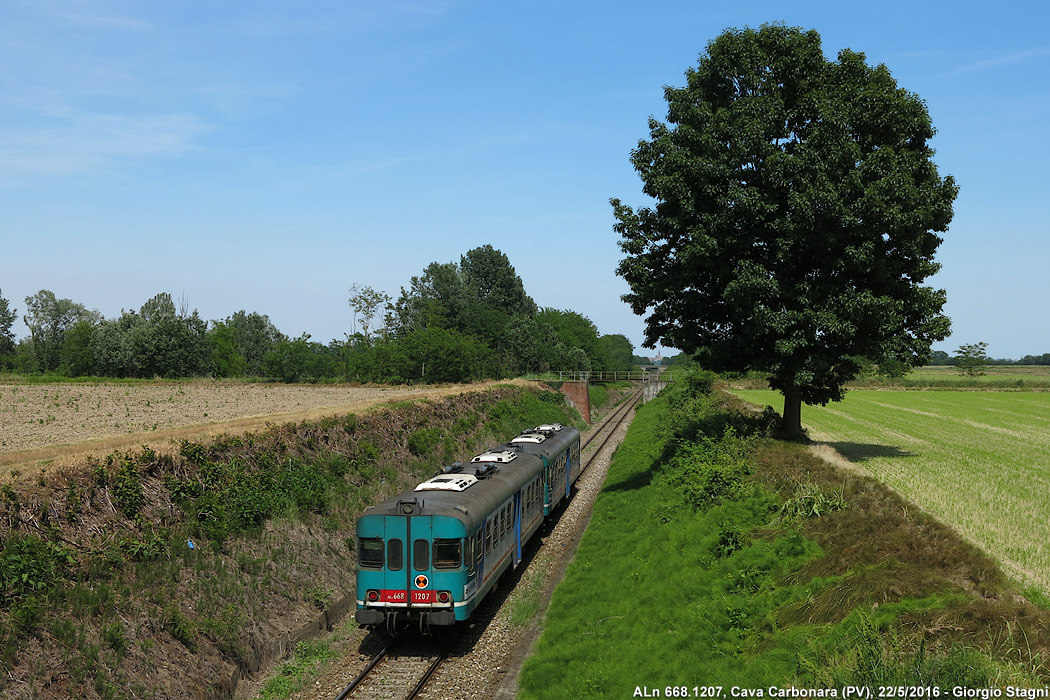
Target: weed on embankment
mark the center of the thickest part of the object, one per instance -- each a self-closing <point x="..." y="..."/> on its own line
<point x="165" y="575"/>
<point x="719" y="557"/>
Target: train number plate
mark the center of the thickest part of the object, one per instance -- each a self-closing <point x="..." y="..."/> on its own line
<point x="402" y="596"/>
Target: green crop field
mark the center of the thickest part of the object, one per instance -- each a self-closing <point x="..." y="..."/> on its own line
<point x="979" y="461"/>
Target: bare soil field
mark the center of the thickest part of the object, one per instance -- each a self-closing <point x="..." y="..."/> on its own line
<point x="54" y="425"/>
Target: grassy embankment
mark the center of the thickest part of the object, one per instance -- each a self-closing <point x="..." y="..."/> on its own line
<point x="977" y="460"/>
<point x="159" y="575"/>
<point x="717" y="557"/>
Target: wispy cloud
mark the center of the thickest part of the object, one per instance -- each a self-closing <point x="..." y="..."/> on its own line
<point x="1005" y="58"/>
<point x="103" y="21"/>
<point x="83" y="143"/>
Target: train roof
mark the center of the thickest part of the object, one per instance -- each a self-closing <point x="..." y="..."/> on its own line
<point x="469" y="495"/>
<point x="546" y="440"/>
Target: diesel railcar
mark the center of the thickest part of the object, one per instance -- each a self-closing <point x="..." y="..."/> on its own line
<point x="430" y="555"/>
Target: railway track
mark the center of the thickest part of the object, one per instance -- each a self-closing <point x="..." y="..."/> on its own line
<point x="402" y="669"/>
<point x="399" y="671"/>
<point x="606" y="428"/>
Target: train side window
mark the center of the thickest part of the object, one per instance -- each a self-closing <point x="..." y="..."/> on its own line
<point x="394" y="555"/>
<point x="447" y="554"/>
<point x="370" y="553"/>
<point x="420" y="555"/>
<point x="488" y="536"/>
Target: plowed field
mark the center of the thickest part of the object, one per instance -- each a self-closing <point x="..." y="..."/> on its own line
<point x="59" y="424"/>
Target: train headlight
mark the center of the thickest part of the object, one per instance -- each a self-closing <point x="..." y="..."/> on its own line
<point x="372" y="596"/>
<point x="444" y="597"/>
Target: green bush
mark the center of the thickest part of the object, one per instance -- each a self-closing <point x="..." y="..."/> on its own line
<point x="30" y="565"/>
<point x="710" y="469"/>
<point x="126" y="489"/>
<point x="421" y="443"/>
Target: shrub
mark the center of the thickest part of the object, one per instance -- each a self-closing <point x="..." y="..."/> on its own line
<point x="126" y="489"/>
<point x="710" y="469"/>
<point x="28" y="563"/>
<point x="422" y="442"/>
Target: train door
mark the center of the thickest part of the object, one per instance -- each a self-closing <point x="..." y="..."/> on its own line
<point x="547" y="488"/>
<point x="408" y="547"/>
<point x="475" y="562"/>
<point x="421" y="533"/>
<point x="398" y="573"/>
<point x="517" y="528"/>
<point x="568" y="474"/>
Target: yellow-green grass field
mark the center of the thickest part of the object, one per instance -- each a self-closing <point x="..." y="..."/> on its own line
<point x="995" y="376"/>
<point x="979" y="461"/>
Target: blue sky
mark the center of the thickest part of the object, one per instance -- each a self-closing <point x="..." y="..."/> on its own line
<point x="266" y="155"/>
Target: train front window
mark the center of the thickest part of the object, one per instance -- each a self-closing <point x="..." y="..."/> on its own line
<point x="393" y="555"/>
<point x="447" y="554"/>
<point x="421" y="555"/>
<point x="370" y="554"/>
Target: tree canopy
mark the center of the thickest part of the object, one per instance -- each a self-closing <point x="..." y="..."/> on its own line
<point x="796" y="205"/>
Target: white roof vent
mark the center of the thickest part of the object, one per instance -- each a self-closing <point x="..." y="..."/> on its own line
<point x="534" y="438"/>
<point x="498" y="457"/>
<point x="448" y="482"/>
<point x="548" y="428"/>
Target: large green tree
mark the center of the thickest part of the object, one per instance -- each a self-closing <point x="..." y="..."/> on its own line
<point x="254" y="335"/>
<point x="796" y="205"/>
<point x="618" y="352"/>
<point x="477" y="297"/>
<point x="576" y="330"/>
<point x="493" y="293"/>
<point x="435" y="299"/>
<point x="48" y="319"/>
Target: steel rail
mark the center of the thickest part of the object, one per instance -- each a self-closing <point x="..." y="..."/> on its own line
<point x="617" y="415"/>
<point x="628" y="405"/>
<point x="426" y="676"/>
<point x="364" y="674"/>
<point x="384" y="655"/>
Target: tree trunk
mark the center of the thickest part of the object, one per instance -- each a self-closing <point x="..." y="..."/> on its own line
<point x="791" y="425"/>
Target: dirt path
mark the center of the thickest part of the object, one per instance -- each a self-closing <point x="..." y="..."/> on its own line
<point x="50" y="426"/>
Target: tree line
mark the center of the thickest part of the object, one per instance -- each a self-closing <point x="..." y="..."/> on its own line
<point x="939" y="357"/>
<point x="457" y="321"/>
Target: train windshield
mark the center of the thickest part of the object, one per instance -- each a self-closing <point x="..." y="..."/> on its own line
<point x="371" y="554"/>
<point x="393" y="555"/>
<point x="447" y="554"/>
